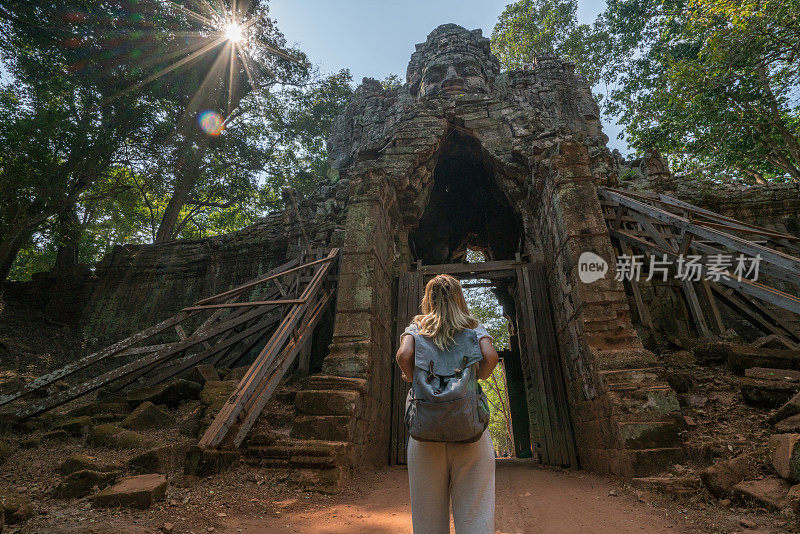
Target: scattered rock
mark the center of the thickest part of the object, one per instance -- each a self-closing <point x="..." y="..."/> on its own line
<point x="101" y="407"/>
<point x="58" y="436"/>
<point x="765" y="373"/>
<point x="17" y="509"/>
<point x="721" y="477"/>
<point x="792" y="407"/>
<point x="786" y="456"/>
<point x="712" y="353"/>
<point x="204" y="462"/>
<point x="670" y="485"/>
<point x="767" y="393"/>
<point x="742" y="357"/>
<point x="80" y="462"/>
<point x="214" y="396"/>
<point x="30" y="443"/>
<point x="790" y="424"/>
<point x="162" y="459"/>
<point x="76" y="425"/>
<point x="769" y="492"/>
<point x="112" y="436"/>
<point x="191" y="421"/>
<point x="204" y="373"/>
<point x="237" y="373"/>
<point x="138" y="492"/>
<point x="168" y="528"/>
<point x="82" y="483"/>
<point x="692" y="400"/>
<point x="793" y="498"/>
<point x="5" y="452"/>
<point x="170" y="393"/>
<point x="146" y="417"/>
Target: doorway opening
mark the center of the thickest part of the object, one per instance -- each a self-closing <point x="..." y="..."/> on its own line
<point x="470" y="230"/>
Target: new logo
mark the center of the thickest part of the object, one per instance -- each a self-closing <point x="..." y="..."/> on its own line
<point x="591" y="267"/>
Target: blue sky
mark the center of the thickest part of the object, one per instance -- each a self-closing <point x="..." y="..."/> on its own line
<point x="374" y="38"/>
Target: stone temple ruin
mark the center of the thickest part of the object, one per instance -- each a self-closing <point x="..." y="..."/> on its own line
<point x="514" y="165"/>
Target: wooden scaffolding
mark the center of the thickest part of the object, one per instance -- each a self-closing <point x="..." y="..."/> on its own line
<point x="278" y="311"/>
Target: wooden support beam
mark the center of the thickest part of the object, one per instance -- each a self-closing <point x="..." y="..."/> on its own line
<point x="231" y="410"/>
<point x="278" y="370"/>
<point x="475" y="268"/>
<point x="95" y="357"/>
<point x="287" y="302"/>
<point x="788" y="263"/>
<point x="754" y="289"/>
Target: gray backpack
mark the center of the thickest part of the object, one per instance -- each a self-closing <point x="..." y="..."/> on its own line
<point x="446" y="402"/>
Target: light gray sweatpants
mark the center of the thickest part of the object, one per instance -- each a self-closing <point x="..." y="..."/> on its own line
<point x="463" y="472"/>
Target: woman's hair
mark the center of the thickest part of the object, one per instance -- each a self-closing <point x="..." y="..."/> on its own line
<point x="444" y="311"/>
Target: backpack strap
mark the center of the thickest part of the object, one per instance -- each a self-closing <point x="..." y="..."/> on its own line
<point x="460" y="370"/>
<point x="431" y="375"/>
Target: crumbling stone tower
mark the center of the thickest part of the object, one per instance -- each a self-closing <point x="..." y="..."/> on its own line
<point x="506" y="163"/>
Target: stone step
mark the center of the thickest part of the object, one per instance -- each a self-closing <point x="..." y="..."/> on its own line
<point x="647" y="462"/>
<point x="647" y="434"/>
<point x="335" y="382"/>
<point x="631" y="378"/>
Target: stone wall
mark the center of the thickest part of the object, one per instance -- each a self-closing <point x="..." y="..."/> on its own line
<point x="135" y="286"/>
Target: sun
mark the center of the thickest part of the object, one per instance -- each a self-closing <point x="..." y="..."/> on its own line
<point x="234" y="32"/>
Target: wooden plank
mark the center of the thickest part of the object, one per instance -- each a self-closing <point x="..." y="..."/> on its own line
<point x="267" y="278"/>
<point x="263" y="324"/>
<point x="728" y="221"/>
<point x="236" y="291"/>
<point x="554" y="360"/>
<point x="716" y="323"/>
<point x="90" y="385"/>
<point x="754" y="289"/>
<point x="641" y="306"/>
<point x="95" y="357"/>
<point x="233" y="407"/>
<point x="287" y="302"/>
<point x="547" y="449"/>
<point x="279" y="368"/>
<point x="474" y="268"/>
<point x="783" y="261"/>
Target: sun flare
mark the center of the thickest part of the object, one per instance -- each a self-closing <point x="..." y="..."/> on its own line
<point x="234" y="32"/>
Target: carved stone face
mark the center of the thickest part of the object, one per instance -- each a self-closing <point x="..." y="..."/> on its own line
<point x="451" y="61"/>
<point x="453" y="74"/>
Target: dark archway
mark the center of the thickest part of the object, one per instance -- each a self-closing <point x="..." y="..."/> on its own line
<point x="465" y="208"/>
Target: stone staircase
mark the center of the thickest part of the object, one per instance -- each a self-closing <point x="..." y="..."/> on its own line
<point x="314" y="464"/>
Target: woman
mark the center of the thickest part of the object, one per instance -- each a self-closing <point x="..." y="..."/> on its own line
<point x="441" y="471"/>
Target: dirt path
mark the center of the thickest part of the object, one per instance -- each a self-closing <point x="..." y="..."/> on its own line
<point x="529" y="499"/>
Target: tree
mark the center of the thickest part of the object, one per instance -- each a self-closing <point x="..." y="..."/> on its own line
<point x="529" y="28"/>
<point x="711" y="83"/>
<point x="97" y="86"/>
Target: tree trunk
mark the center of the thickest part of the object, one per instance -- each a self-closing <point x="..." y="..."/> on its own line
<point x="183" y="188"/>
<point x="10" y="247"/>
<point x="69" y="236"/>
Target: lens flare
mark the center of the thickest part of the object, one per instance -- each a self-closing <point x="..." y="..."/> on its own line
<point x="210" y="122"/>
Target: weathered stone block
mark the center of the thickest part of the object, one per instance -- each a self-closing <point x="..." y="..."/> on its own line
<point x="329" y="428"/>
<point x="204" y="462"/>
<point x="162" y="459"/>
<point x="138" y="492"/>
<point x="83" y="482"/>
<point x="204" y="373"/>
<point x="170" y="393"/>
<point x="328" y="402"/>
<point x="76" y="425"/>
<point x="721" y="477"/>
<point x="769" y="492"/>
<point x="786" y="456"/>
<point x="146" y="417"/>
<point x="112" y="436"/>
<point x="80" y="462"/>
